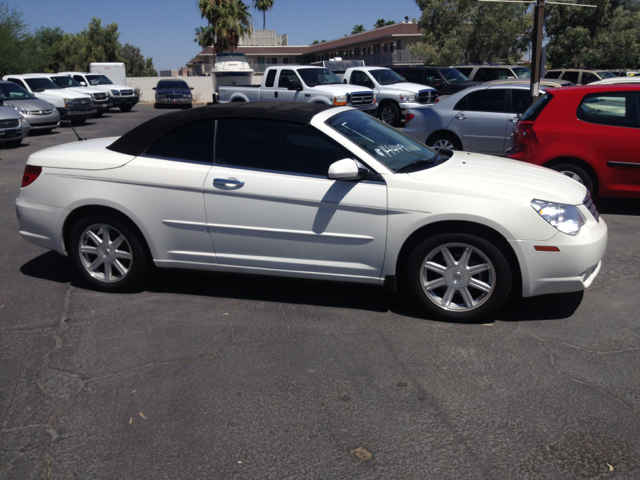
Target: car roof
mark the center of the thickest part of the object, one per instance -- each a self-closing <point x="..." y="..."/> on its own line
<point x="137" y="140"/>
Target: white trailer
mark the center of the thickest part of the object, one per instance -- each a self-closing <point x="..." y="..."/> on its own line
<point x="114" y="71"/>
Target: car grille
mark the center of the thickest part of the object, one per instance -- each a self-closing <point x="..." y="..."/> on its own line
<point x="83" y="103"/>
<point x="126" y="92"/>
<point x="588" y="202"/>
<point x="427" y="96"/>
<point x="40" y="112"/>
<point x="360" y="98"/>
<point x="175" y="96"/>
<point x="13" y="123"/>
<point x="100" y="96"/>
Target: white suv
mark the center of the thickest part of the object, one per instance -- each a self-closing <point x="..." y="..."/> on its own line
<point x="122" y="96"/>
<point x="101" y="99"/>
<point x="485" y="72"/>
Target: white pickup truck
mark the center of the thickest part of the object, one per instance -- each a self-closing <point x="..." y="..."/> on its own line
<point x="395" y="95"/>
<point x="296" y="83"/>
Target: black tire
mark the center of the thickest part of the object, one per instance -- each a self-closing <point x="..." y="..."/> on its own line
<point x="76" y="123"/>
<point x="576" y="173"/>
<point x="126" y="108"/>
<point x="157" y="105"/>
<point x="14" y="143"/>
<point x="444" y="140"/>
<point x="456" y="278"/>
<point x="107" y="276"/>
<point x="390" y="114"/>
<point x="99" y="114"/>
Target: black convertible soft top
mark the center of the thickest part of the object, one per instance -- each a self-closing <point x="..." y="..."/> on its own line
<point x="137" y="140"/>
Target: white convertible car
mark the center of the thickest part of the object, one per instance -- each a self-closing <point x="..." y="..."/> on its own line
<point x="311" y="191"/>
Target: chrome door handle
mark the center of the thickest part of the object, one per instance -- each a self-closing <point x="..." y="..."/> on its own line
<point x="228" y="181"/>
<point x="461" y="116"/>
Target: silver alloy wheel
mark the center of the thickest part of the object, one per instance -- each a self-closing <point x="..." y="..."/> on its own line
<point x="457" y="277"/>
<point x="105" y="253"/>
<point x="443" y="143"/>
<point x="388" y="115"/>
<point x="572" y="176"/>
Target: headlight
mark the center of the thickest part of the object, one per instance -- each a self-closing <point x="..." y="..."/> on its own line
<point x="68" y="102"/>
<point x="186" y="95"/>
<point x="24" y="122"/>
<point x="160" y="95"/>
<point x="407" y="97"/>
<point x="340" y="100"/>
<point x="21" y="111"/>
<point x="566" y="218"/>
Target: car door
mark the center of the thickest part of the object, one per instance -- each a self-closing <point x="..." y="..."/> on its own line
<point x="481" y="118"/>
<point x="271" y="207"/>
<point x="282" y="93"/>
<point x="165" y="192"/>
<point x="361" y="78"/>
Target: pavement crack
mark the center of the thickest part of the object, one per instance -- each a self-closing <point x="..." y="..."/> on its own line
<point x="287" y="321"/>
<point x="13" y="393"/>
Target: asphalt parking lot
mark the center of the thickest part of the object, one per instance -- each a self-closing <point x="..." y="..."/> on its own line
<point x="218" y="376"/>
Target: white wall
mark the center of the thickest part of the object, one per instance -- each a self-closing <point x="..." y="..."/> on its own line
<point x="202" y="87"/>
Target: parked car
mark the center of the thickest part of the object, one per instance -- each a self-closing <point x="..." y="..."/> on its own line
<point x="486" y="72"/>
<point x="544" y="82"/>
<point x="13" y="126"/>
<point x="445" y="80"/>
<point x="311" y="191"/>
<point x="101" y="98"/>
<point x="617" y="81"/>
<point x="123" y="97"/>
<point x="589" y="133"/>
<point x="41" y="115"/>
<point x="72" y="106"/>
<point x="579" y="76"/>
<point x="173" y="92"/>
<point x="478" y="119"/>
<point x="393" y="92"/>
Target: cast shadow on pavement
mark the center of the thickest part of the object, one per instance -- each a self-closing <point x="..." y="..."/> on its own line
<point x="618" y="206"/>
<point x="57" y="268"/>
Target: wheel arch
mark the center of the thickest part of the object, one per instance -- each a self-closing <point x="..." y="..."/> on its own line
<point x="467" y="227"/>
<point x="441" y="132"/>
<point x="579" y="163"/>
<point x="88" y="210"/>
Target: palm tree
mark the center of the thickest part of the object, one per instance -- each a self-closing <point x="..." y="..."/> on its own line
<point x="263" y="6"/>
<point x="233" y="22"/>
<point x="205" y="36"/>
<point x="380" y="23"/>
<point x="358" y="29"/>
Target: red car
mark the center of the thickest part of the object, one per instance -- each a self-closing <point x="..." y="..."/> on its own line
<point x="590" y="133"/>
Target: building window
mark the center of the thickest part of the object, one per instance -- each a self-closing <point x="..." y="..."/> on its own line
<point x="399" y="44"/>
<point x="299" y="60"/>
<point x="285" y="60"/>
<point x="369" y="50"/>
<point x="260" y="60"/>
<point x="274" y="61"/>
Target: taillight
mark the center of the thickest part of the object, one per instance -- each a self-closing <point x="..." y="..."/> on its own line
<point x="408" y="117"/>
<point x="30" y="175"/>
<point x="524" y="134"/>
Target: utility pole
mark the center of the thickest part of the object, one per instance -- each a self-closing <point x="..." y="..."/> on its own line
<point x="536" y="54"/>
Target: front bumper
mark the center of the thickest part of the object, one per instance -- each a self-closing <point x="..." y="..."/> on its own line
<point x="173" y="101"/>
<point x="40" y="122"/>
<point x="118" y="101"/>
<point x="103" y="107"/>
<point x="571" y="269"/>
<point x="80" y="114"/>
<point x="13" y="134"/>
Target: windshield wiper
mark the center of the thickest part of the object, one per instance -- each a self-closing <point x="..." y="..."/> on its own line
<point x="418" y="163"/>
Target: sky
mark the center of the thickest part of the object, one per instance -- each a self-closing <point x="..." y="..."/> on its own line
<point x="164" y="29"/>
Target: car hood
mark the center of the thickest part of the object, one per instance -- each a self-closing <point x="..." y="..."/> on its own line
<point x="63" y="93"/>
<point x="8" y="113"/>
<point x="85" y="155"/>
<point x="30" y="104"/>
<point x="485" y="175"/>
<point x="406" y="87"/>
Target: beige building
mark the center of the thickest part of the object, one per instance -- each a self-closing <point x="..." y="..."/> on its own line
<point x="381" y="46"/>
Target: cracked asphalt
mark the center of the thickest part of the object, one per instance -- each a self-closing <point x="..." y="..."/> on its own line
<point x="230" y="377"/>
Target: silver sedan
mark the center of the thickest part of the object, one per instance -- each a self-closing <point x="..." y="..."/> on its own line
<point x="13" y="127"/>
<point x="477" y="119"/>
<point x="40" y="114"/>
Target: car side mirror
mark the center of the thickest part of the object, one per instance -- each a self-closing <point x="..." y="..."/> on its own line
<point x="346" y="169"/>
<point x="190" y="88"/>
<point x="84" y="84"/>
<point x="154" y="88"/>
<point x="291" y="85"/>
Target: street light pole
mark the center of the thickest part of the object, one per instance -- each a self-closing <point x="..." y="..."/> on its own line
<point x="536" y="56"/>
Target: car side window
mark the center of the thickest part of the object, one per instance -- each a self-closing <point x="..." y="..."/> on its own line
<point x="411" y="74"/>
<point x="618" y="109"/>
<point x="520" y="100"/>
<point x="571" y="76"/>
<point x="552" y="74"/>
<point x="191" y="143"/>
<point x="18" y="82"/>
<point x="271" y="78"/>
<point x="431" y="75"/>
<point x="360" y="78"/>
<point x="588" y="78"/>
<point x="278" y="146"/>
<point x="491" y="100"/>
<point x="465" y="71"/>
<point x="78" y="78"/>
<point x="486" y="74"/>
<point x="286" y="76"/>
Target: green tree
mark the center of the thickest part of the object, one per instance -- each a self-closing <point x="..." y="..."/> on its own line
<point x="229" y="19"/>
<point x="358" y="29"/>
<point x="18" y="48"/>
<point x="100" y="44"/>
<point x="135" y="63"/>
<point x="469" y="31"/>
<point x="383" y="23"/>
<point x="263" y="6"/>
<point x="205" y="36"/>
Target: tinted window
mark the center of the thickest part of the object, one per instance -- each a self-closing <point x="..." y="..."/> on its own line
<point x="65" y="82"/>
<point x="486" y="101"/>
<point x="588" y="78"/>
<point x="360" y="78"/>
<point x="520" y="100"/>
<point x="17" y="82"/>
<point x="619" y="109"/>
<point x="571" y="76"/>
<point x="412" y="75"/>
<point x="522" y="72"/>
<point x="193" y="142"/>
<point x="41" y="84"/>
<point x="277" y="146"/>
<point x="431" y="76"/>
<point x="175" y="84"/>
<point x="453" y="75"/>
<point x="271" y="78"/>
<point x="464" y="70"/>
<point x="555" y="74"/>
<point x="78" y="78"/>
<point x="488" y="74"/>
<point x="286" y="76"/>
<point x="534" y="110"/>
<point x="13" y="92"/>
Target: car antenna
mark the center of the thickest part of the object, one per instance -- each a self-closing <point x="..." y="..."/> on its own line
<point x="68" y="122"/>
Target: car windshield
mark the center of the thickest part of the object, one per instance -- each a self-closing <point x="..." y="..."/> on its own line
<point x="522" y="72"/>
<point x="606" y="74"/>
<point x="453" y="76"/>
<point x="98" y="80"/>
<point x="318" y="76"/>
<point x="11" y="91"/>
<point x="385" y="76"/>
<point x="386" y="144"/>
<point x="41" y="84"/>
<point x="65" y="82"/>
<point x="173" y="85"/>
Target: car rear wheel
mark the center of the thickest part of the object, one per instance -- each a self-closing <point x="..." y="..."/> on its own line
<point x="444" y="140"/>
<point x="78" y="122"/>
<point x="14" y="143"/>
<point x="575" y="173"/>
<point x="458" y="277"/>
<point x="108" y="254"/>
<point x="126" y="108"/>
<point x="389" y="113"/>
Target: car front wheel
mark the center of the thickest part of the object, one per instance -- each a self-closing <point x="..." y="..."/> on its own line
<point x="444" y="140"/>
<point x="458" y="277"/>
<point x="390" y="114"/>
<point x="108" y="254"/>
